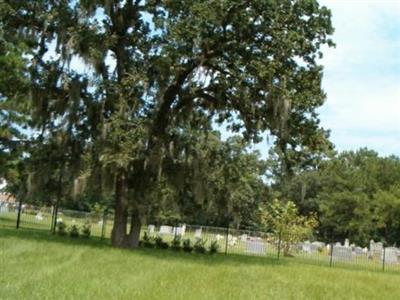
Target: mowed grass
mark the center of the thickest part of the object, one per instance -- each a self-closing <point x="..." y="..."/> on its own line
<point x="38" y="265"/>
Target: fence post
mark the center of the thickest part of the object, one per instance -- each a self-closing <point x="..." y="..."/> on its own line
<point x="226" y="240"/>
<point x="55" y="218"/>
<point x="52" y="218"/>
<point x="19" y="213"/>
<point x="279" y="244"/>
<point x="103" y="226"/>
<point x="331" y="255"/>
<point x="383" y="259"/>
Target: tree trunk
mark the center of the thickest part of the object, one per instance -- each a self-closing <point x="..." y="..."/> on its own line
<point x="118" y="235"/>
<point x="134" y="234"/>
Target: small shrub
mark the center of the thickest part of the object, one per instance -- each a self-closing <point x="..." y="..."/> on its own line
<point x="61" y="229"/>
<point x="86" y="230"/>
<point x="74" y="231"/>
<point x="160" y="244"/>
<point x="176" y="243"/>
<point x="200" y="246"/>
<point x="214" y="247"/>
<point x="147" y="241"/>
<point x="187" y="245"/>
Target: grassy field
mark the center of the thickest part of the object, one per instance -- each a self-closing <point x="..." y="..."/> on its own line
<point x="37" y="265"/>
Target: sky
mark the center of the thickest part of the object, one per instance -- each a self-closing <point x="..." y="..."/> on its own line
<point x="362" y="76"/>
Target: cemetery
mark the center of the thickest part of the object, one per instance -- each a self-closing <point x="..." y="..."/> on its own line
<point x="199" y="149"/>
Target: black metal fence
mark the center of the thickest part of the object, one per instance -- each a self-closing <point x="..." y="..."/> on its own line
<point x="228" y="240"/>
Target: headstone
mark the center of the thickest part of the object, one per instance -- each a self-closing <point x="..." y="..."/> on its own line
<point x="197" y="233"/>
<point x="358" y="251"/>
<point x="391" y="255"/>
<point x="179" y="230"/>
<point x="376" y="249"/>
<point x="164" y="229"/>
<point x="255" y="247"/>
<point x="341" y="253"/>
<point x="346" y="243"/>
<point x="151" y="229"/>
<point x="243" y="238"/>
<point x="219" y="237"/>
<point x="232" y="240"/>
<point x="306" y="247"/>
<point x="318" y="245"/>
<point x="39" y="216"/>
<point x="3" y="208"/>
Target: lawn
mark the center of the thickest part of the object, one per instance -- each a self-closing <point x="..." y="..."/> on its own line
<point x="37" y="265"/>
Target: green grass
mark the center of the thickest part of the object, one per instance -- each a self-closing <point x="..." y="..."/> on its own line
<point x="37" y="265"/>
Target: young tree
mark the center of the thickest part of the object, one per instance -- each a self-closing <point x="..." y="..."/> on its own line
<point x="288" y="226"/>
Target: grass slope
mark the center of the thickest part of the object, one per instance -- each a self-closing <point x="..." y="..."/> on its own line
<point x="37" y="265"/>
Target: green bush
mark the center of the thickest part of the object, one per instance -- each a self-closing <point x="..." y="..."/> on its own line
<point x="187" y="245"/>
<point x="200" y="246"/>
<point x="61" y="229"/>
<point x="176" y="243"/>
<point x="214" y="247"/>
<point x="74" y="231"/>
<point x="160" y="244"/>
<point x="147" y="241"/>
<point x="86" y="230"/>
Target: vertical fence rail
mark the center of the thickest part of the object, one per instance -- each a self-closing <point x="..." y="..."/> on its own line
<point x="279" y="245"/>
<point x="226" y="240"/>
<point x="103" y="226"/>
<point x="19" y="213"/>
<point x="383" y="259"/>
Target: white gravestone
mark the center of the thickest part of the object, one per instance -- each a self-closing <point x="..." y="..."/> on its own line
<point x="255" y="247"/>
<point x="341" y="253"/>
<point x="39" y="216"/>
<point x="197" y="233"/>
<point x="358" y="251"/>
<point x="151" y="229"/>
<point x="391" y="255"/>
<point x="232" y="240"/>
<point x="164" y="229"/>
<point x="243" y="238"/>
<point x="3" y="208"/>
<point x="179" y="230"/>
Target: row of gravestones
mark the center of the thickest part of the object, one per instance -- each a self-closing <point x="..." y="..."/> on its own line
<point x="348" y="252"/>
<point x="253" y="245"/>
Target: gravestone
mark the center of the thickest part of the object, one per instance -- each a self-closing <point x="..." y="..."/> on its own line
<point x="164" y="229"/>
<point x="3" y="208"/>
<point x="255" y="247"/>
<point x="243" y="238"/>
<point x="341" y="253"/>
<point x="347" y="243"/>
<point x="318" y="245"/>
<point x="232" y="240"/>
<point x="39" y="216"/>
<point x="151" y="229"/>
<point x="391" y="255"/>
<point x="179" y="230"/>
<point x="306" y="247"/>
<point x="219" y="237"/>
<point x="197" y="233"/>
<point x="359" y="251"/>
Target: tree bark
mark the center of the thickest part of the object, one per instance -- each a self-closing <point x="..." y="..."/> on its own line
<point x="134" y="234"/>
<point x="118" y="235"/>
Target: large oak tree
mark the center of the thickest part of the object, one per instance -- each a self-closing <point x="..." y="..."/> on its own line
<point x="151" y="69"/>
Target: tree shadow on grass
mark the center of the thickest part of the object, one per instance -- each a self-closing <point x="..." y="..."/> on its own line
<point x="95" y="242"/>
